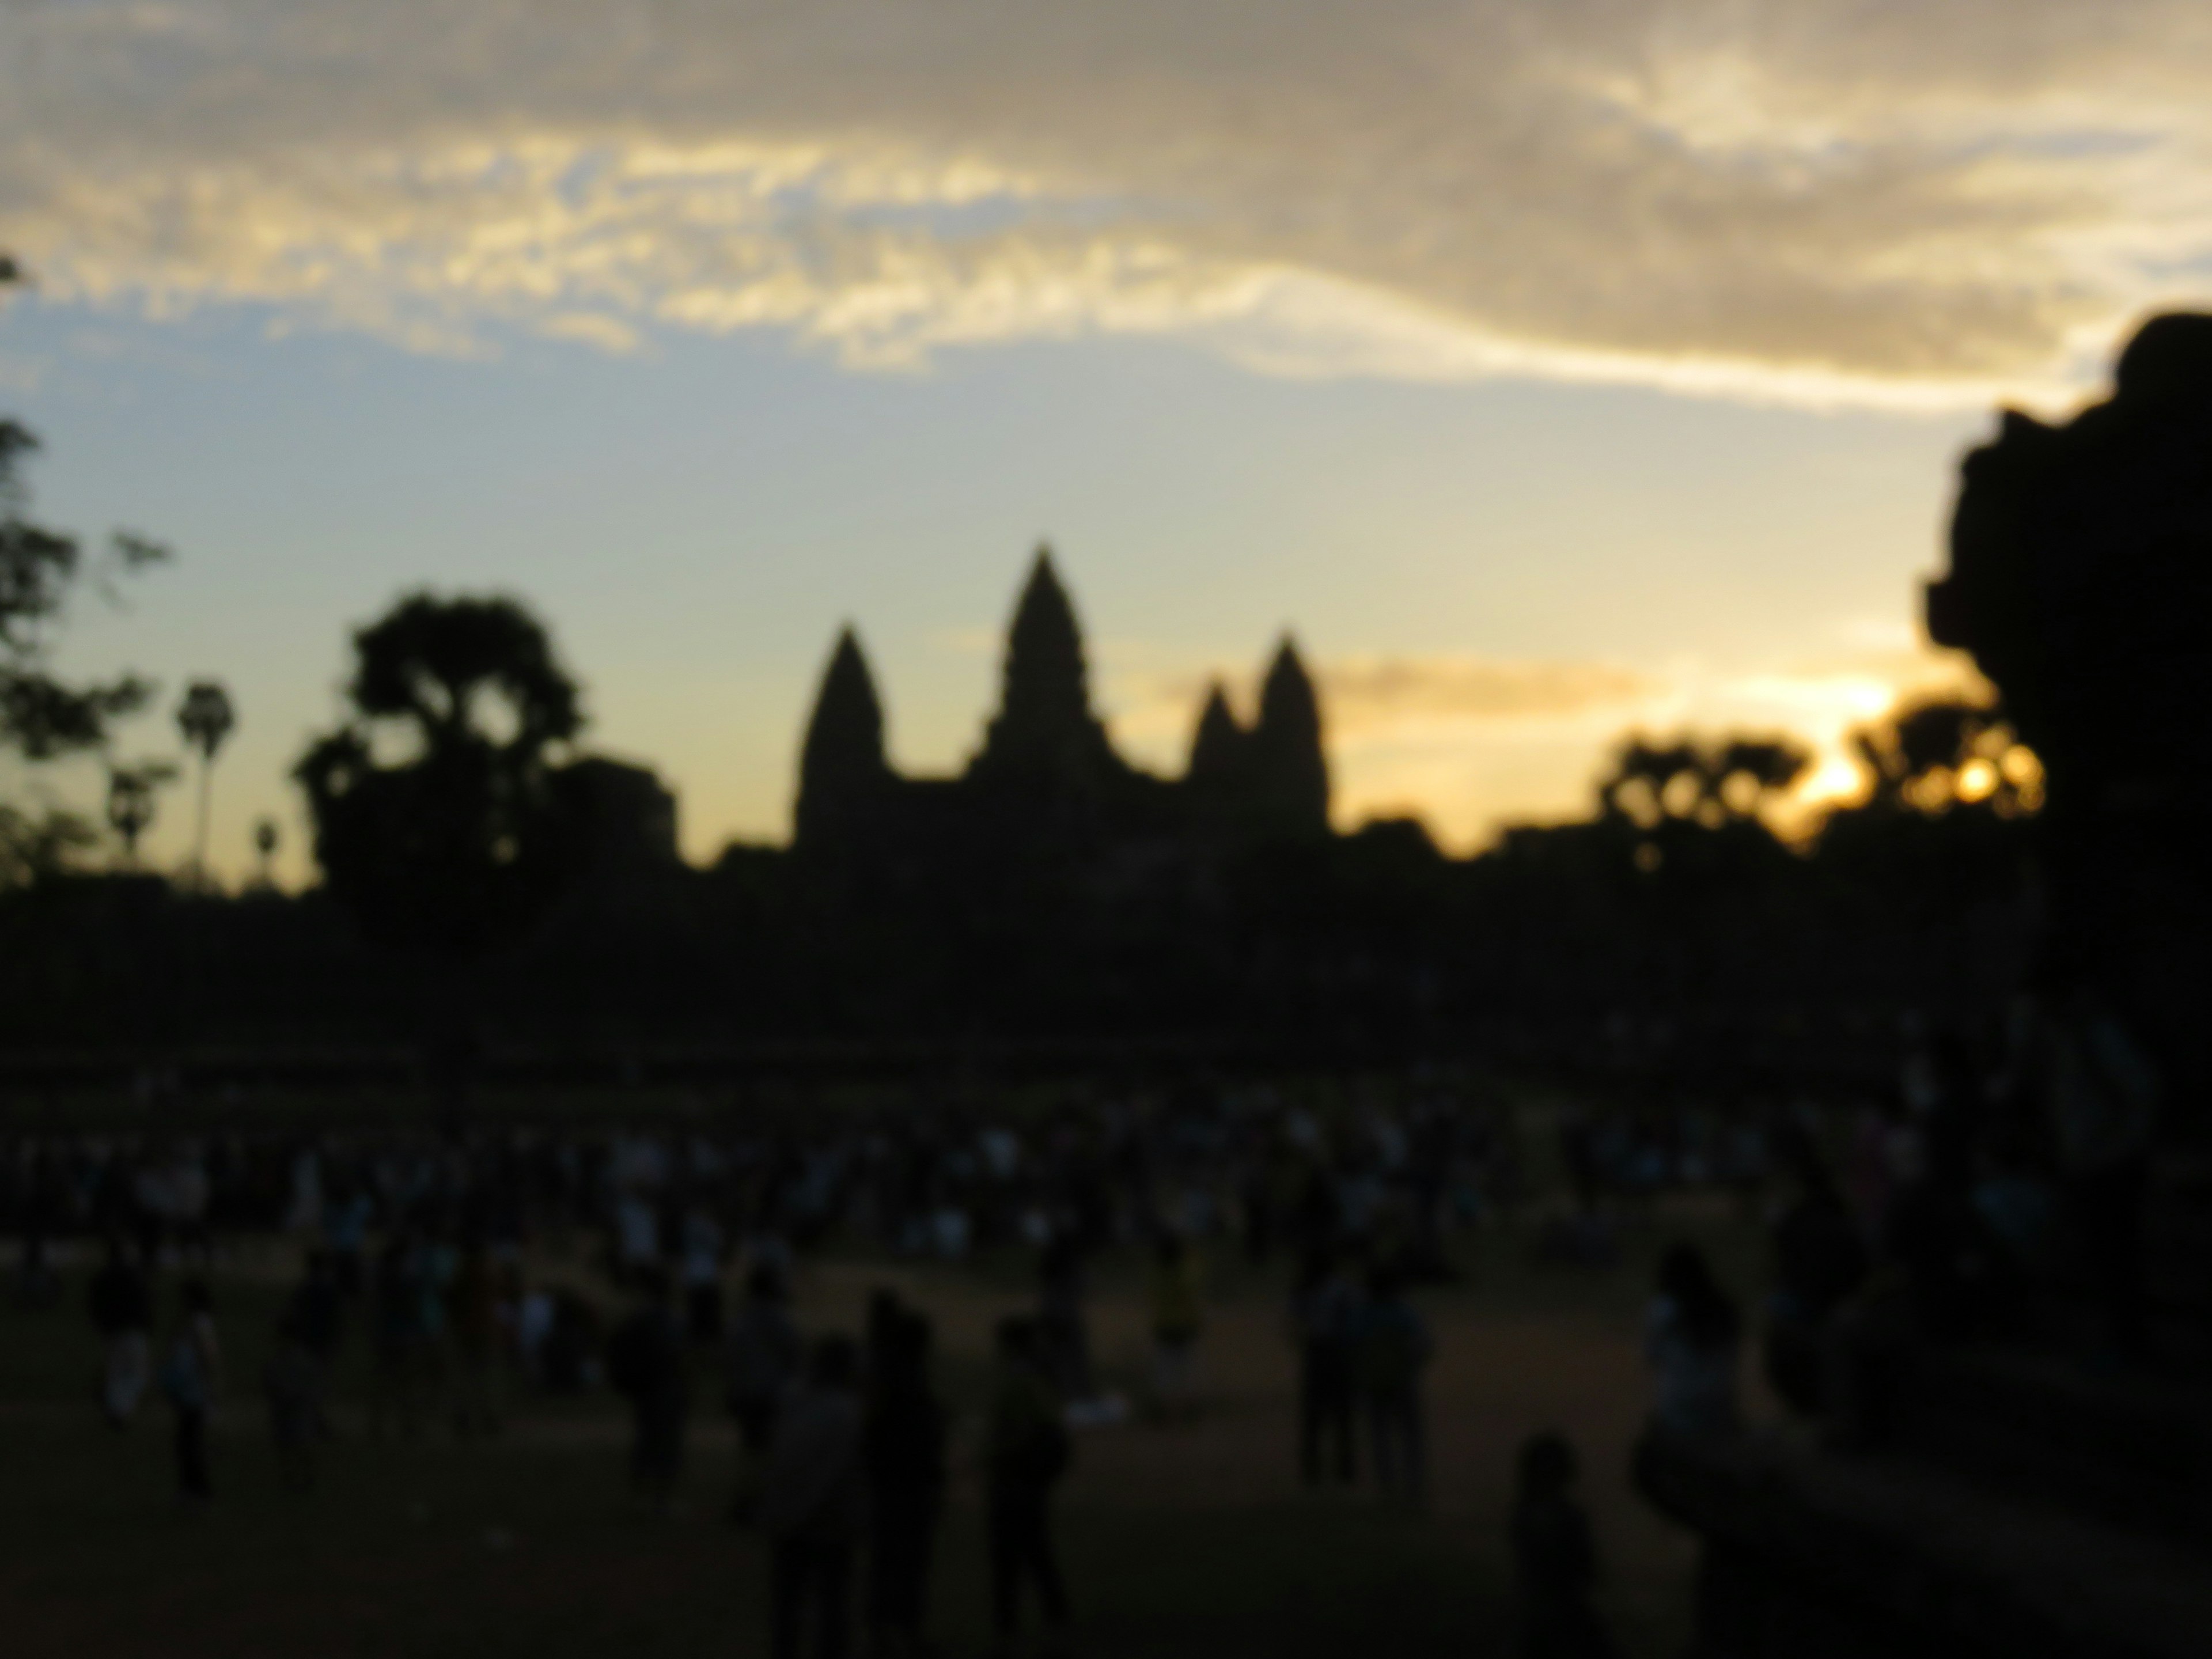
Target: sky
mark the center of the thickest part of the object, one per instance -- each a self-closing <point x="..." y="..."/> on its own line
<point x="1550" y="368"/>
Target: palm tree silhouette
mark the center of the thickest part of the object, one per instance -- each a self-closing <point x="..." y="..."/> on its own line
<point x="205" y="717"/>
<point x="130" y="801"/>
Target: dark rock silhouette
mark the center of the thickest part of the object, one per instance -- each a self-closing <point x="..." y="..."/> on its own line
<point x="2003" y="1496"/>
<point x="2081" y="580"/>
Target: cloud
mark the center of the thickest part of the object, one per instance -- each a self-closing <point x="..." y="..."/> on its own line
<point x="1818" y="200"/>
<point x="1370" y="699"/>
<point x="1372" y="696"/>
<point x="1472" y="744"/>
<point x="969" y="641"/>
<point x="610" y="334"/>
<point x="1821" y="700"/>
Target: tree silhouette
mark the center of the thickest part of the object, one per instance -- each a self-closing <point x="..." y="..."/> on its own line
<point x="205" y="718"/>
<point x="264" y="849"/>
<point x="1944" y="752"/>
<point x="132" y="794"/>
<point x="435" y="821"/>
<point x="1711" y="783"/>
<point x="1651" y="782"/>
<point x="1742" y="775"/>
<point x="43" y="716"/>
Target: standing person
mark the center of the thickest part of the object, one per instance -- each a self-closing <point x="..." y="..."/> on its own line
<point x="1027" y="1451"/>
<point x="702" y="1274"/>
<point x="397" y="1365"/>
<point x="812" y="1503"/>
<point x="763" y="1355"/>
<point x="1693" y="1338"/>
<point x="903" y="1455"/>
<point x="645" y="1363"/>
<point x="1819" y="1262"/>
<point x="635" y="1245"/>
<point x="1555" y="1563"/>
<point x="312" y="1322"/>
<point x="475" y="1326"/>
<point x="1395" y="1349"/>
<point x="1326" y="1308"/>
<point x="1259" y="1191"/>
<point x="122" y="1307"/>
<point x="292" y="1383"/>
<point x="303" y="1211"/>
<point x="191" y="1377"/>
<point x="38" y="1211"/>
<point x="2104" y="1097"/>
<point x="1316" y="1214"/>
<point x="189" y="1193"/>
<point x="150" y="1204"/>
<point x="437" y="1263"/>
<point x="1061" y="1327"/>
<point x="1578" y="1151"/>
<point x="347" y="1211"/>
<point x="318" y="1307"/>
<point x="1178" y="1318"/>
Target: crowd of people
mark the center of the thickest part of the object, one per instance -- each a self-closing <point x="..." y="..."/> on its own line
<point x="474" y="1262"/>
<point x="914" y="1172"/>
<point x="464" y="1266"/>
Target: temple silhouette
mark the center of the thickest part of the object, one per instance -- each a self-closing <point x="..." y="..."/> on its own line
<point x="1047" y="783"/>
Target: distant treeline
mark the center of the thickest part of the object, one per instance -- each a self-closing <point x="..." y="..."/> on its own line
<point x="1671" y="928"/>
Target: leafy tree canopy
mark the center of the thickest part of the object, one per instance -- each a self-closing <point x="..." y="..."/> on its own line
<point x="436" y="820"/>
<point x="1692" y="781"/>
<point x="43" y="716"/>
<point x="1947" y="751"/>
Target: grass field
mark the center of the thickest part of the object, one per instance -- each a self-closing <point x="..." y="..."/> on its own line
<point x="1192" y="1539"/>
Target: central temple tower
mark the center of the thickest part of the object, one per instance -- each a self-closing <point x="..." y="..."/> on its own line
<point x="1045" y="739"/>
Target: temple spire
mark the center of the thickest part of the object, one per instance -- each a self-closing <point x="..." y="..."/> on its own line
<point x="841" y="765"/>
<point x="1288" y="771"/>
<point x="1218" y="745"/>
<point x="1044" y="732"/>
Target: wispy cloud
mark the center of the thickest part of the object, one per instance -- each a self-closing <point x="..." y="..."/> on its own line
<point x="1821" y="200"/>
<point x="1470" y="744"/>
<point x="1391" y="696"/>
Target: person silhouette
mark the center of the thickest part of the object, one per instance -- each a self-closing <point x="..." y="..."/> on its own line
<point x="122" y="1308"/>
<point x="1027" y="1452"/>
<point x="1554" y="1558"/>
<point x="1693" y="1337"/>
<point x="763" y="1353"/>
<point x="1394" y="1348"/>
<point x="191" y="1377"/>
<point x="646" y="1363"/>
<point x="812" y="1503"/>
<point x="903" y="1443"/>
<point x="1326" y="1310"/>
<point x="1178" y="1310"/>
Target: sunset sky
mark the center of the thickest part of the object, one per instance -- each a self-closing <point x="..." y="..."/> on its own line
<point x="1551" y="368"/>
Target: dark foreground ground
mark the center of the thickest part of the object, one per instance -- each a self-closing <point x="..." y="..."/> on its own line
<point x="1196" y="1540"/>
